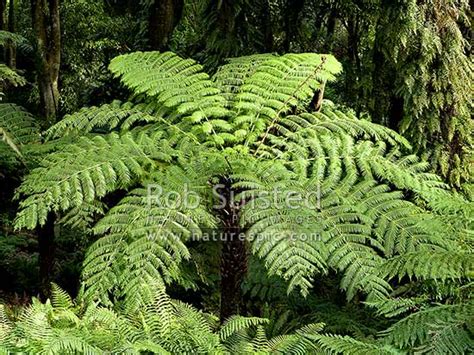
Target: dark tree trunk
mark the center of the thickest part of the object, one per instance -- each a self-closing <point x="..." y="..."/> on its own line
<point x="46" y="249"/>
<point x="266" y="18"/>
<point x="233" y="259"/>
<point x="46" y="25"/>
<point x="396" y="112"/>
<point x="3" y="25"/>
<point x="354" y="68"/>
<point x="292" y="15"/>
<point x="331" y="26"/>
<point x="3" y="5"/>
<point x="164" y="17"/>
<point x="11" y="51"/>
<point x="385" y="106"/>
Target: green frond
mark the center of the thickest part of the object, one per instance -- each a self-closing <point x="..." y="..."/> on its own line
<point x="88" y="170"/>
<point x="177" y="84"/>
<point x="232" y="75"/>
<point x="17" y="129"/>
<point x="432" y="325"/>
<point x="278" y="85"/>
<point x="143" y="236"/>
<point x="60" y="298"/>
<point x="236" y="324"/>
<point x="336" y="344"/>
<point x="10" y="76"/>
<point x="431" y="264"/>
<point x="393" y="307"/>
<point x="106" y="118"/>
<point x="19" y="41"/>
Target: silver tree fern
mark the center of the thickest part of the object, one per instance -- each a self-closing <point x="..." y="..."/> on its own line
<point x="250" y="130"/>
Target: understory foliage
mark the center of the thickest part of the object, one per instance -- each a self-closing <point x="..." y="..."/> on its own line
<point x="160" y="325"/>
<point x="367" y="211"/>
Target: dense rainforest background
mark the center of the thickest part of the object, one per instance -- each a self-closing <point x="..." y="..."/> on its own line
<point x="216" y="176"/>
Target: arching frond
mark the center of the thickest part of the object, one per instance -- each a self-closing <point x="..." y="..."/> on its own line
<point x="428" y="327"/>
<point x="87" y="170"/>
<point x="430" y="264"/>
<point x="17" y="129"/>
<point x="108" y="117"/>
<point x="143" y="236"/>
<point x="176" y="83"/>
<point x="8" y="75"/>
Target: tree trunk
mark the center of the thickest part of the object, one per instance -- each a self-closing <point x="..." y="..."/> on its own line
<point x="385" y="106"/>
<point x="46" y="25"/>
<point x="354" y="68"/>
<point x="46" y="249"/>
<point x="233" y="258"/>
<point x="11" y="51"/>
<point x="164" y="17"/>
<point x="3" y="26"/>
<point x="331" y="26"/>
<point x="3" y="5"/>
<point x="395" y="116"/>
<point x="266" y="18"/>
<point x="293" y="10"/>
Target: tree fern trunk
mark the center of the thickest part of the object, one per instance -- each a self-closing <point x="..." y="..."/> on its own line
<point x="233" y="259"/>
<point x="46" y="249"/>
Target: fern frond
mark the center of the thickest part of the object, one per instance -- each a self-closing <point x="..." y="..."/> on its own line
<point x="85" y="171"/>
<point x="336" y="344"/>
<point x="392" y="307"/>
<point x="236" y="324"/>
<point x="17" y="129"/>
<point x="232" y="75"/>
<point x="431" y="264"/>
<point x="278" y="85"/>
<point x="60" y="299"/>
<point x="17" y="40"/>
<point x="145" y="235"/>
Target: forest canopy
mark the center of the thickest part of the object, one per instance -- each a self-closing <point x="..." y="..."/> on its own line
<point x="232" y="177"/>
